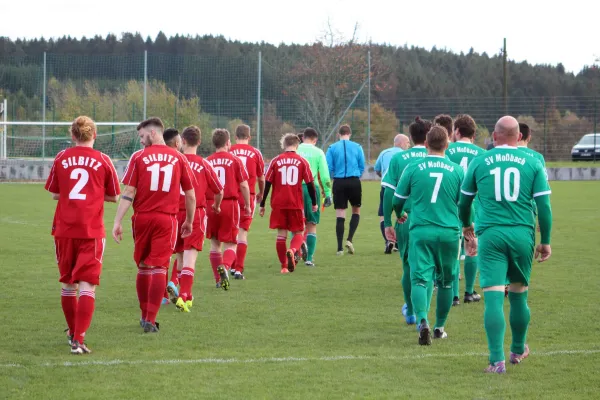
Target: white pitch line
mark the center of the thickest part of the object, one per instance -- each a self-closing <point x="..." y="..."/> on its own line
<point x="279" y="359"/>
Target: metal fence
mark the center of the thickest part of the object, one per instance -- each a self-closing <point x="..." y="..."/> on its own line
<point x="273" y="96"/>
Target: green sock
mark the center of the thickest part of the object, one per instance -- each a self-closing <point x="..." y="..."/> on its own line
<point x="493" y="319"/>
<point x="429" y="294"/>
<point x="406" y="288"/>
<point x="519" y="320"/>
<point x="419" y="301"/>
<point x="456" y="283"/>
<point x="311" y="243"/>
<point x="444" y="304"/>
<point x="470" y="273"/>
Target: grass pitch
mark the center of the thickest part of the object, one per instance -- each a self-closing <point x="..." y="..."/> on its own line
<point x="335" y="331"/>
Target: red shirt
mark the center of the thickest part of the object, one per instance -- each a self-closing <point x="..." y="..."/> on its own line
<point x="206" y="181"/>
<point x="157" y="172"/>
<point x="231" y="173"/>
<point x="286" y="173"/>
<point x="252" y="160"/>
<point x="82" y="177"/>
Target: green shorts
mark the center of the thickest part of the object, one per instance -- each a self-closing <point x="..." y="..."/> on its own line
<point x="402" y="240"/>
<point x="311" y="217"/>
<point x="505" y="255"/>
<point x="433" y="254"/>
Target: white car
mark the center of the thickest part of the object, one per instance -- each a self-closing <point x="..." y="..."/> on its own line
<point x="588" y="148"/>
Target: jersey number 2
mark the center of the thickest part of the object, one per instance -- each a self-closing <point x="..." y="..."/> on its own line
<point x="83" y="177"/>
<point x="155" y="169"/>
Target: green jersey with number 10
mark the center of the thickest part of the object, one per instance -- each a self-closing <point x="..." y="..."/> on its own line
<point x="506" y="181"/>
<point x="433" y="185"/>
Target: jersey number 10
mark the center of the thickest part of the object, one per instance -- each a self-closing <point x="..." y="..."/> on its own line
<point x="289" y="175"/>
<point x="509" y="174"/>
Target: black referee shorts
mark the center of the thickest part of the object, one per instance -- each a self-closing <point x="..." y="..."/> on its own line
<point x="381" y="194"/>
<point x="346" y="190"/>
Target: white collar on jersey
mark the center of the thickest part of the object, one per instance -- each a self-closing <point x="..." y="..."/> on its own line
<point x="435" y="155"/>
<point x="505" y="146"/>
<point x="418" y="147"/>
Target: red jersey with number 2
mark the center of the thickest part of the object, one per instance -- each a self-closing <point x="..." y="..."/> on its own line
<point x="252" y="160"/>
<point x="231" y="173"/>
<point x="286" y="173"/>
<point x="157" y="172"/>
<point x="81" y="176"/>
<point x="206" y="181"/>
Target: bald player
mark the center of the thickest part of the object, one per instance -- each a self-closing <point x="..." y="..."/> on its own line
<point x="401" y="143"/>
<point x="506" y="182"/>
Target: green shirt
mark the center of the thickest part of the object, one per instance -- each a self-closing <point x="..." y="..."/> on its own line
<point x="535" y="155"/>
<point x="462" y="153"/>
<point x="433" y="184"/>
<point x="318" y="165"/>
<point x="397" y="164"/>
<point x="506" y="181"/>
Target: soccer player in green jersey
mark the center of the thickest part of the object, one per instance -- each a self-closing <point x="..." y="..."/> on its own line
<point x="399" y="233"/>
<point x="506" y="182"/>
<point x="524" y="143"/>
<point x="433" y="183"/>
<point x="320" y="170"/>
<point x="462" y="151"/>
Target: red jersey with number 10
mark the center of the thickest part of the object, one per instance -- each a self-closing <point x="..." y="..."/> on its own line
<point x="252" y="160"/>
<point x="231" y="173"/>
<point x="157" y="172"/>
<point x="207" y="181"/>
<point x="286" y="173"/>
<point x="81" y="176"/>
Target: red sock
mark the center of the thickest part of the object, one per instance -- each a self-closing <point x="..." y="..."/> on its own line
<point x="85" y="310"/>
<point x="155" y="294"/>
<point x="242" y="248"/>
<point x="68" y="300"/>
<point x="229" y="258"/>
<point x="185" y="283"/>
<point x="215" y="260"/>
<point x="175" y="273"/>
<point x="280" y="245"/>
<point x="297" y="241"/>
<point x="142" y="285"/>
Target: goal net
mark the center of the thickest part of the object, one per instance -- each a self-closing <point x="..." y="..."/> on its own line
<point x="38" y="140"/>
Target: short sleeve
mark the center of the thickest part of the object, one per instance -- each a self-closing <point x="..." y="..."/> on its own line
<point x="131" y="173"/>
<point x="270" y="171"/>
<point x="260" y="164"/>
<point x="212" y="179"/>
<point x="111" y="180"/>
<point x="378" y="162"/>
<point x="469" y="185"/>
<point x="540" y="182"/>
<point x="52" y="182"/>
<point x="187" y="177"/>
<point x="403" y="188"/>
<point x="390" y="179"/>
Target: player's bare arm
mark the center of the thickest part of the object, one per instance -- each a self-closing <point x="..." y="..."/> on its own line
<point x="55" y="196"/>
<point x="245" y="189"/>
<point x="217" y="203"/>
<point x="124" y="204"/>
<point x="111" y="199"/>
<point x="190" y="209"/>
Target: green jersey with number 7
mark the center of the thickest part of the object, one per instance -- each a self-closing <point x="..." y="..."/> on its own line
<point x="506" y="181"/>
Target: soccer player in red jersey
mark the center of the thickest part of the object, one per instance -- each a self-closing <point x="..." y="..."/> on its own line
<point x="286" y="173"/>
<point x="187" y="248"/>
<point x="255" y="165"/>
<point x="81" y="179"/>
<point x="223" y="224"/>
<point x="153" y="180"/>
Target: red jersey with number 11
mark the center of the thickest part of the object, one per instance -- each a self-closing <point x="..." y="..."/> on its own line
<point x="157" y="172"/>
<point x="231" y="173"/>
<point x="286" y="173"/>
<point x="81" y="176"/>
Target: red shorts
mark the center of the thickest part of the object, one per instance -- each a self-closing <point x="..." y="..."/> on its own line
<point x="79" y="260"/>
<point x="224" y="226"/>
<point x="246" y="220"/>
<point x="155" y="235"/>
<point x="290" y="220"/>
<point x="196" y="239"/>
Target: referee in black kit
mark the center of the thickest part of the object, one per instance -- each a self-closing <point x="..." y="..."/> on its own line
<point x="346" y="161"/>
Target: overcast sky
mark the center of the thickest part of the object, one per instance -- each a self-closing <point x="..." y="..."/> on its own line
<point x="536" y="30"/>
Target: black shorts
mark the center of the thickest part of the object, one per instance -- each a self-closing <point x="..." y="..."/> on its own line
<point x="346" y="190"/>
<point x="381" y="193"/>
